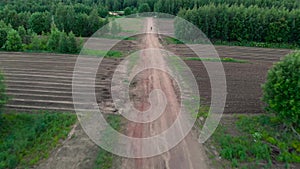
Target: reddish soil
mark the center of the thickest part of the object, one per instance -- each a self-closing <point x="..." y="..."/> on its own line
<point x="189" y="153"/>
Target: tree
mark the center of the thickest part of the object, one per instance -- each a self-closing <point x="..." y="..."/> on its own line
<point x="65" y="17"/>
<point x="81" y="25"/>
<point x="144" y="8"/>
<point x="127" y="11"/>
<point x="94" y="22"/>
<point x="102" y="11"/>
<point x="22" y="32"/>
<point x="281" y="91"/>
<point x="54" y="38"/>
<point x="63" y="44"/>
<point x="116" y="5"/>
<point x="13" y="42"/>
<point x="72" y="43"/>
<point x="3" y="33"/>
<point x="40" y="22"/>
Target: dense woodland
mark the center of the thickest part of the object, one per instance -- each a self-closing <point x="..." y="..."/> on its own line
<point x="273" y="21"/>
<point x="241" y="23"/>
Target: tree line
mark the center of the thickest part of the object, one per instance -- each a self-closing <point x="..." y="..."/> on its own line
<point x="228" y="20"/>
<point x="21" y="39"/>
<point x="84" y="17"/>
<point x="65" y="17"/>
<point x="168" y="6"/>
<point x="241" y="23"/>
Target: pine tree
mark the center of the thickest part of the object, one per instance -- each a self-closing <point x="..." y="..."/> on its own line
<point x="53" y="41"/>
<point x="72" y="43"/>
<point x="63" y="45"/>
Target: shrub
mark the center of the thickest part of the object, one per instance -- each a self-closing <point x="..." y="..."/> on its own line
<point x="14" y="41"/>
<point x="281" y="91"/>
<point x="38" y="43"/>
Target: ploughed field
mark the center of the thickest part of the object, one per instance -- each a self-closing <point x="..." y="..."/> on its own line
<point x="44" y="81"/>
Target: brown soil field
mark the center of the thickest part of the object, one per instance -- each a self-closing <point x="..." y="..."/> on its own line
<point x="244" y="80"/>
<point x="44" y="81"/>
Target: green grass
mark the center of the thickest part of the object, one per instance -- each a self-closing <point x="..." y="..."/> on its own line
<point x="105" y="159"/>
<point x="102" y="53"/>
<point x="170" y="40"/>
<point x="25" y="139"/>
<point x="259" y="44"/>
<point x="216" y="59"/>
<point x="108" y="36"/>
<point x="260" y="140"/>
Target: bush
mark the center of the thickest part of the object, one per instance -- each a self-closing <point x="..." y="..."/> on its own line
<point x="13" y="42"/>
<point x="281" y="91"/>
<point x="38" y="43"/>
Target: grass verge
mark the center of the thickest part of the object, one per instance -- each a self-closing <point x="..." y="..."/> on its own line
<point x="258" y="44"/>
<point x="27" y="138"/>
<point x="105" y="159"/>
<point x="102" y="53"/>
<point x="217" y="60"/>
<point x="258" y="142"/>
<point x="170" y="40"/>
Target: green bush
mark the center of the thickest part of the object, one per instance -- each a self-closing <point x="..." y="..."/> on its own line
<point x="281" y="91"/>
<point x="13" y="42"/>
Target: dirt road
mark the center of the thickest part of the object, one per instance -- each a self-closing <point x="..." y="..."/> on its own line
<point x="189" y="153"/>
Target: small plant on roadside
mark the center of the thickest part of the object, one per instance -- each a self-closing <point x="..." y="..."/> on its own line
<point x="281" y="91"/>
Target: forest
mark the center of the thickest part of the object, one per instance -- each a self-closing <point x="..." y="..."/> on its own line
<point x="271" y="21"/>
